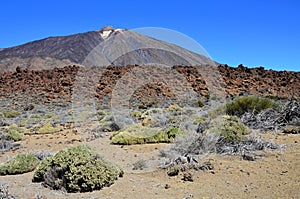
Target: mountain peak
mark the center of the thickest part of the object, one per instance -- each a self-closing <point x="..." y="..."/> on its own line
<point x="106" y="31"/>
<point x="107" y="28"/>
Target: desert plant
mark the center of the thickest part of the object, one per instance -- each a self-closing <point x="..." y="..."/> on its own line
<point x="21" y="163"/>
<point x="11" y="113"/>
<point x="76" y="169"/>
<point x="229" y="128"/>
<point x="244" y="104"/>
<point x="48" y="128"/>
<point x="14" y="135"/>
<point x="139" y="134"/>
<point x="174" y="108"/>
<point x="217" y="111"/>
<point x="139" y="165"/>
<point x="136" y="113"/>
<point x="173" y="170"/>
<point x="200" y="103"/>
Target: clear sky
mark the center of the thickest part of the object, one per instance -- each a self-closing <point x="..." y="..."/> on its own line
<point x="249" y="32"/>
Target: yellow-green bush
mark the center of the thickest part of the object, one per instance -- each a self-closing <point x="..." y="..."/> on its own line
<point x="48" y="128"/>
<point x="14" y="135"/>
<point x="229" y="128"/>
<point x="21" y="163"/>
<point x="77" y="169"/>
<point x="217" y="111"/>
<point x="11" y="113"/>
<point x="139" y="134"/>
<point x="174" y="108"/>
<point x="244" y="104"/>
<point x="13" y="132"/>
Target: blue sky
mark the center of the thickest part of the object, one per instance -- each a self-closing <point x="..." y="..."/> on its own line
<point x="250" y="32"/>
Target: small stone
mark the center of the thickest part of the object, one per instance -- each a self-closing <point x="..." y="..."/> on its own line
<point x="167" y="186"/>
<point x="188" y="177"/>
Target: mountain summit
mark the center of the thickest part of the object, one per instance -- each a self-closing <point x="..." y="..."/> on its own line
<point x="106" y="31"/>
<point x="107" y="46"/>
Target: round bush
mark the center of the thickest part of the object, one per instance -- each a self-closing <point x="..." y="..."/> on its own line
<point x="21" y="163"/>
<point x="229" y="128"/>
<point x="245" y="104"/>
<point x="76" y="169"/>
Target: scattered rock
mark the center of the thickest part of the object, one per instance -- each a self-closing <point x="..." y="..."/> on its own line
<point x="248" y="157"/>
<point x="292" y="130"/>
<point x="167" y="186"/>
<point x="187" y="176"/>
<point x="206" y="166"/>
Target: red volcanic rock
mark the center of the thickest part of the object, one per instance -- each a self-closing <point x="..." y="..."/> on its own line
<point x="58" y="83"/>
<point x="257" y="81"/>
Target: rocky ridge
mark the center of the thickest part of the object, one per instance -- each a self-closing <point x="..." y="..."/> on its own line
<point x="57" y="83"/>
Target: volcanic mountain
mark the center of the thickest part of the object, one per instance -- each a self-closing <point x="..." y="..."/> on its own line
<point x="59" y="59"/>
<point x="107" y="46"/>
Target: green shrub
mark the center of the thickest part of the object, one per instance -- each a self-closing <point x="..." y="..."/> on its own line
<point x="217" y="111"/>
<point x="199" y="120"/>
<point x="137" y="114"/>
<point x="245" y="104"/>
<point x="139" y="134"/>
<point x="48" y="128"/>
<point x="11" y="113"/>
<point x="14" y="135"/>
<point x="13" y="132"/>
<point x="200" y="103"/>
<point x="229" y="128"/>
<point x="139" y="165"/>
<point x="178" y="119"/>
<point x="174" y="108"/>
<point x="21" y="163"/>
<point x="76" y="169"/>
<point x="173" y="170"/>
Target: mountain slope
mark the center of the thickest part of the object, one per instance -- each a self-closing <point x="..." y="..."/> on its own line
<point x="73" y="47"/>
<point x="107" y="46"/>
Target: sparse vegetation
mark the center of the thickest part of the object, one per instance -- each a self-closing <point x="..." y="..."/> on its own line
<point x="200" y="103"/>
<point x="173" y="170"/>
<point x="229" y="128"/>
<point x="245" y="104"/>
<point x="139" y="134"/>
<point x="139" y="165"/>
<point x="13" y="133"/>
<point x="136" y="113"/>
<point x="21" y="163"/>
<point x="217" y="111"/>
<point x="11" y="113"/>
<point x="174" y="108"/>
<point x="76" y="169"/>
<point x="48" y="128"/>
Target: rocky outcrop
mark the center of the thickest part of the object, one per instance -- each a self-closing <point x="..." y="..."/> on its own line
<point x="258" y="81"/>
<point x="57" y="84"/>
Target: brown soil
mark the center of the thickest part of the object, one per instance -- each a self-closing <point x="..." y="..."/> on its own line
<point x="274" y="175"/>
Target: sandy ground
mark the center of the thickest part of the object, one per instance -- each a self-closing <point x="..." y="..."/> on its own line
<point x="275" y="175"/>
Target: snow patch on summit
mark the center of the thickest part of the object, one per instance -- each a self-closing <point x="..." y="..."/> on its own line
<point x="105" y="34"/>
<point x="106" y="31"/>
